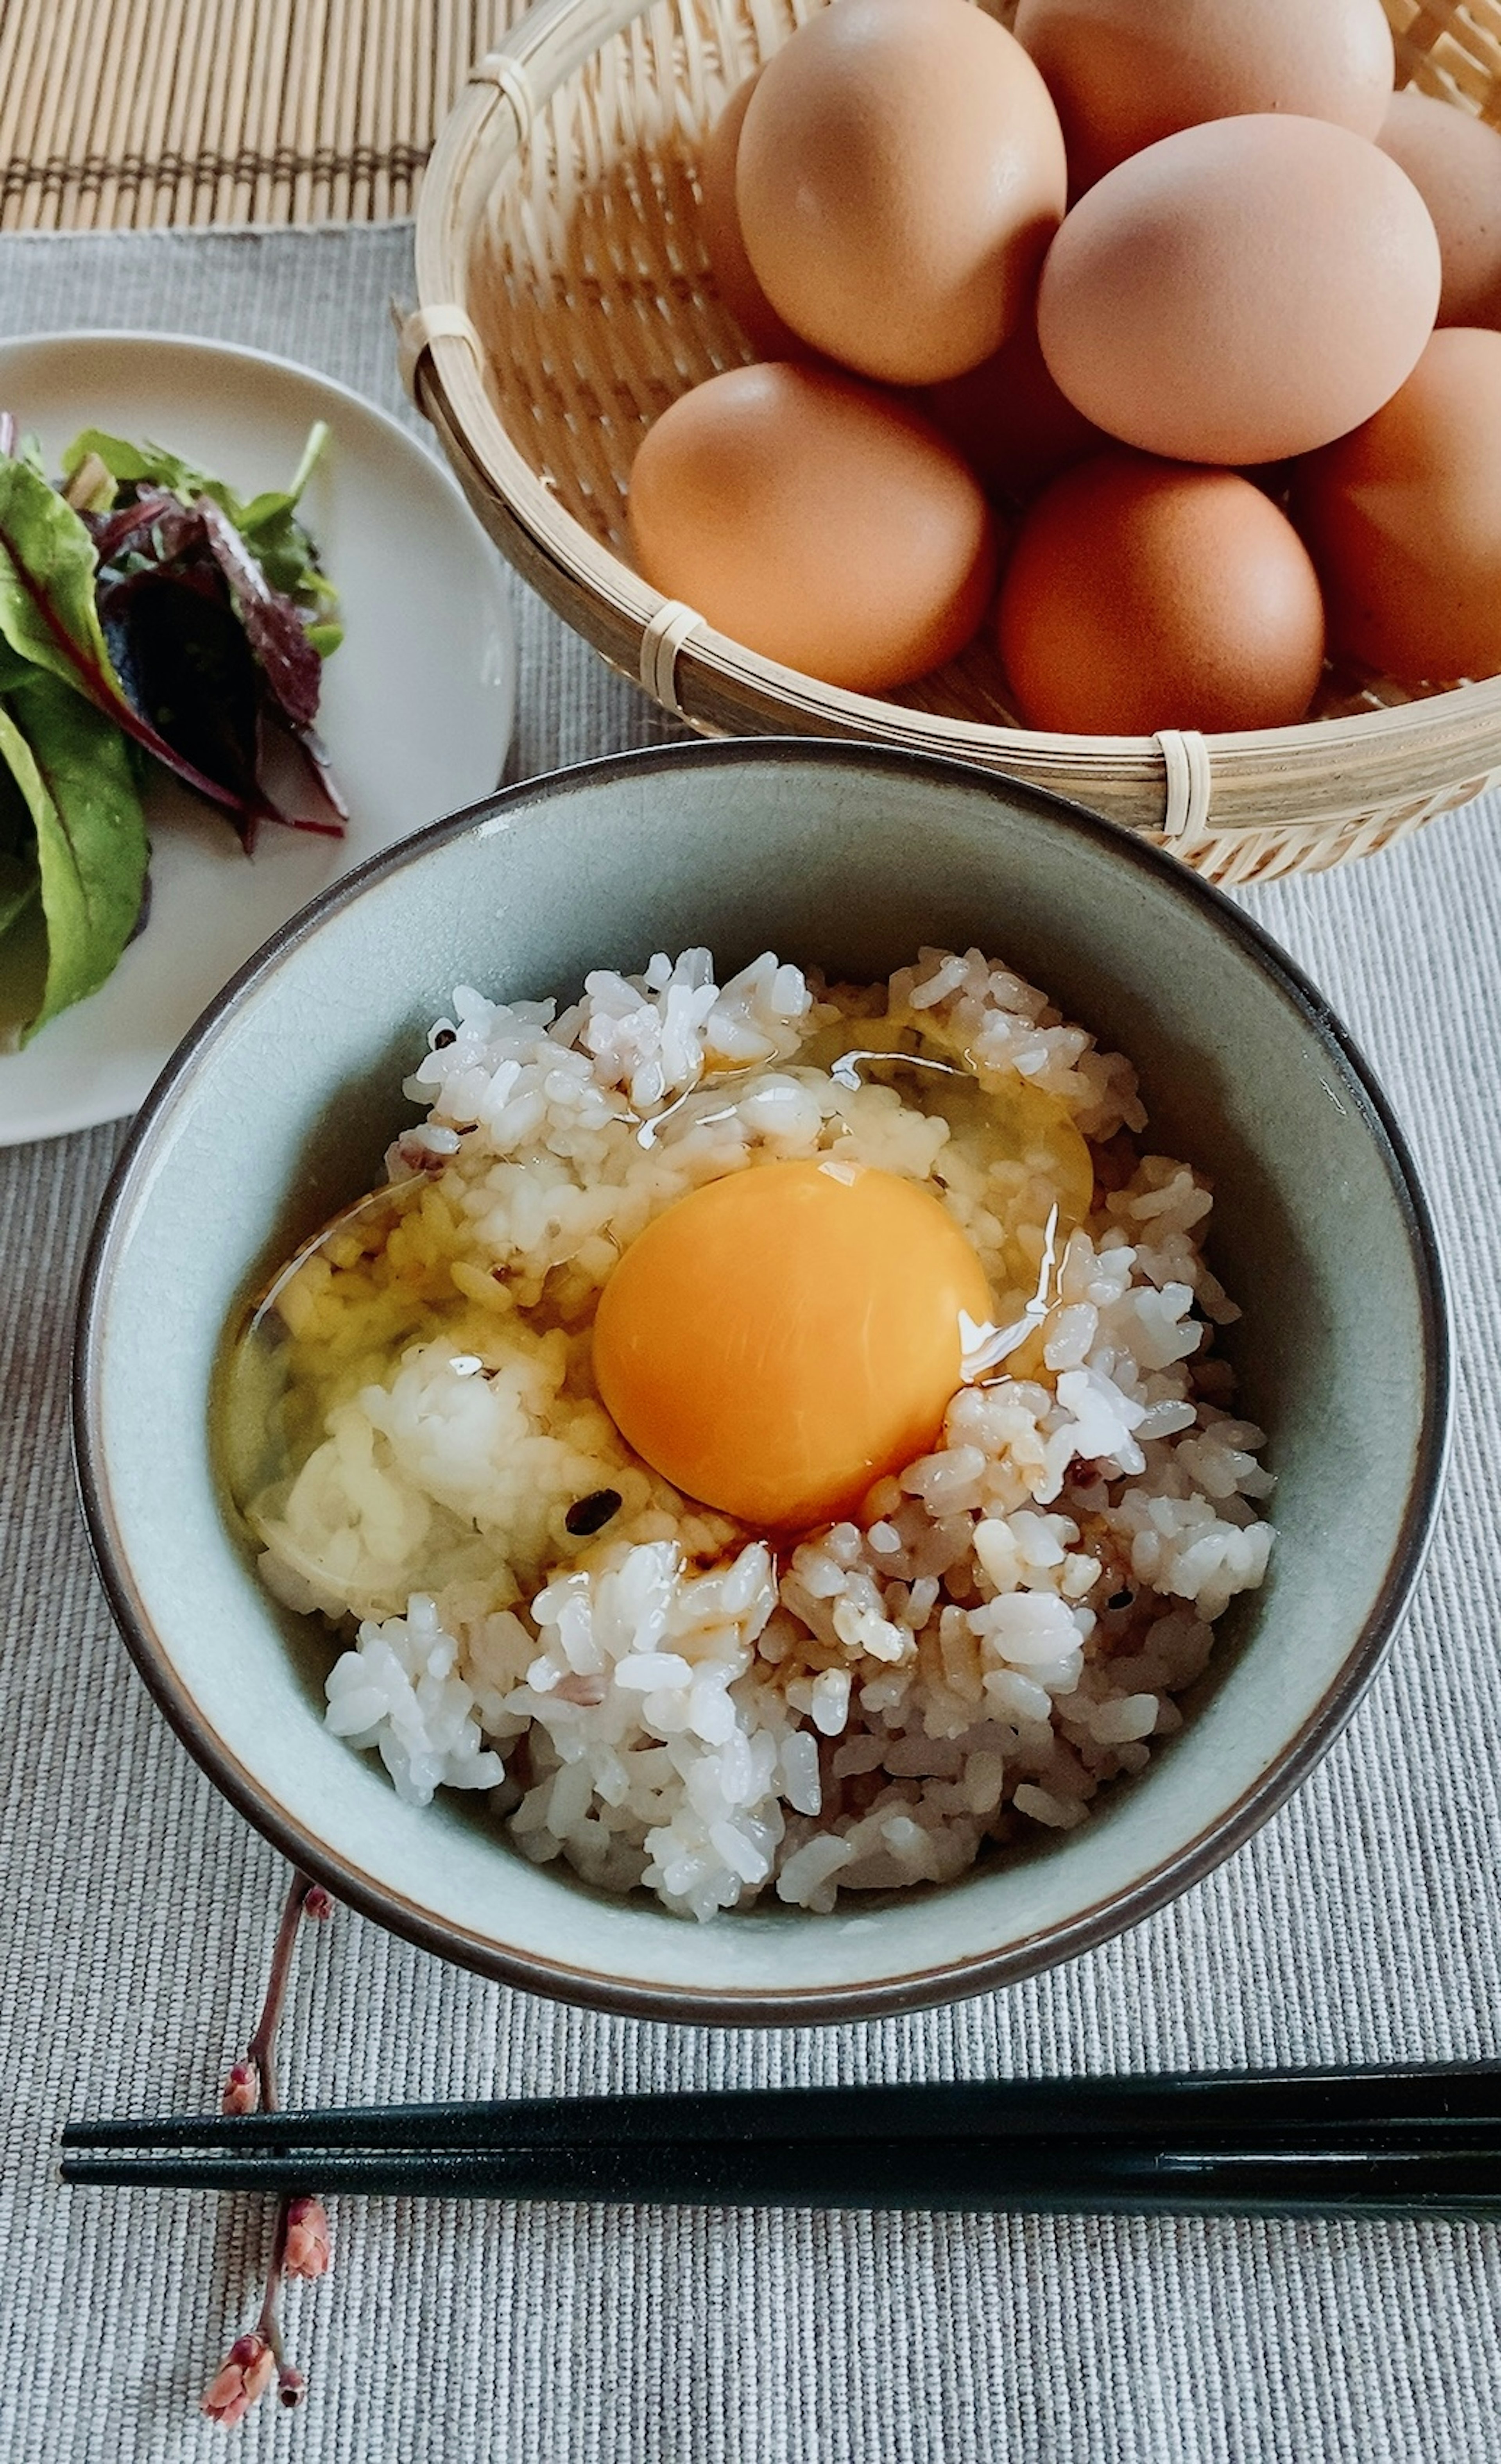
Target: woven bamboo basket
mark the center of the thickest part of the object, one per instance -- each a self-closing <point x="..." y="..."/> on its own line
<point x="564" y="300"/>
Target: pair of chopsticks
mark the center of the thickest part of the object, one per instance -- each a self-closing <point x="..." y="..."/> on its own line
<point x="1384" y="2141"/>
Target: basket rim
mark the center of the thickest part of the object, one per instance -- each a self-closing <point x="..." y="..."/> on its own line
<point x="1346" y="754"/>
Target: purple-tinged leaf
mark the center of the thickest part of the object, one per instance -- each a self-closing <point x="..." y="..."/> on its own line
<point x="287" y="766"/>
<point x="155" y="526"/>
<point x="189" y="663"/>
<point x="48" y="613"/>
<point x="315" y="751"/>
<point x="187" y="667"/>
<point x="143" y="910"/>
<point x="273" y="623"/>
<point x="158" y="613"/>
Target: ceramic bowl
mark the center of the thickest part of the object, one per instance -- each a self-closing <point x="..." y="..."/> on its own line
<point x="275" y="1111"/>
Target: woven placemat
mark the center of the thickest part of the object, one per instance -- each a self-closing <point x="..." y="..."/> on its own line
<point x="136" y="1908"/>
<point x="120" y="114"/>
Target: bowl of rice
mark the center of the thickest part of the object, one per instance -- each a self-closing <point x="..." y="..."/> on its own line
<point x="878" y="1415"/>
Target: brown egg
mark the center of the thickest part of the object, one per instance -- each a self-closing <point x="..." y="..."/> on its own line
<point x="900" y="173"/>
<point x="720" y="224"/>
<point x="1124" y="73"/>
<point x="1008" y="419"/>
<point x="1453" y="160"/>
<point x="1241" y="291"/>
<point x="1143" y="594"/>
<point x="1404" y="520"/>
<point x="816" y="521"/>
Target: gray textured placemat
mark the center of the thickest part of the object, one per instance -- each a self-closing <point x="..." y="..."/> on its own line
<point x="1362" y="1923"/>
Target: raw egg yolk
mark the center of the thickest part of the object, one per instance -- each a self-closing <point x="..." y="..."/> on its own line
<point x="778" y="1341"/>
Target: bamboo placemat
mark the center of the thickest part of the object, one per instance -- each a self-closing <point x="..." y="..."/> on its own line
<point x="122" y="113"/>
<point x="117" y="113"/>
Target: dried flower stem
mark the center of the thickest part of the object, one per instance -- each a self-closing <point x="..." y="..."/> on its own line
<point x="262" y="2049"/>
<point x="250" y="2082"/>
<point x="268" y="2326"/>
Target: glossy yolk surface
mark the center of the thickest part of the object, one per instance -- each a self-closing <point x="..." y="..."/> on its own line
<point x="777" y="1341"/>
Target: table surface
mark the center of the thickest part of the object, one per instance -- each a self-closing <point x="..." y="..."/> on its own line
<point x="1362" y="1923"/>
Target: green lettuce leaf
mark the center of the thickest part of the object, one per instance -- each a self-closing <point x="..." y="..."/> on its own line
<point x="19" y="877"/>
<point x="23" y="928"/>
<point x="49" y="615"/>
<point x="47" y="611"/>
<point x="13" y="671"/>
<point x="74" y="771"/>
<point x="268" y="523"/>
<point x="19" y="883"/>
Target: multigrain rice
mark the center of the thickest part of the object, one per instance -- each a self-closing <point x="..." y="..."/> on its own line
<point x="648" y="1690"/>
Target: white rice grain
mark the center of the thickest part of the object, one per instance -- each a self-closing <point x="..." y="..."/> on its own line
<point x="998" y="1634"/>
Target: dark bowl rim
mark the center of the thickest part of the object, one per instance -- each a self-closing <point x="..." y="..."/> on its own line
<point x="820" y="2006"/>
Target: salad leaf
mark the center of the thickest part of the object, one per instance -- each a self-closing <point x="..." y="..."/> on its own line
<point x="27" y="449"/>
<point x="18" y="886"/>
<point x="49" y="617"/>
<point x="273" y="624"/>
<point x="206" y="650"/>
<point x="13" y="671"/>
<point x="47" y="614"/>
<point x="19" y="877"/>
<point x="267" y="523"/>
<point x="143" y="608"/>
<point x="23" y="932"/>
<point x="149" y="529"/>
<point x="186" y="665"/>
<point x="72" y="769"/>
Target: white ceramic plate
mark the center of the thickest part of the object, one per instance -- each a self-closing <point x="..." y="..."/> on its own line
<point x="416" y="706"/>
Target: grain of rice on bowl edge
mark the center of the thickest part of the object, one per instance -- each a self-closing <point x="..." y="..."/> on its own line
<point x="651" y="1689"/>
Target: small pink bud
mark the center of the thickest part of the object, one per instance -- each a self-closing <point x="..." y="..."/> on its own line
<point x="290" y="2386"/>
<point x="242" y="2380"/>
<point x="307" y="2251"/>
<point x="241" y="2089"/>
<point x="318" y="1904"/>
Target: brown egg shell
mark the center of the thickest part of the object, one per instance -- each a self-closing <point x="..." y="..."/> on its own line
<point x="900" y="173"/>
<point x="1143" y="594"/>
<point x="1008" y="419"/>
<point x="1242" y="291"/>
<point x="824" y="524"/>
<point x="719" y="227"/>
<point x="1126" y="73"/>
<point x="1402" y="519"/>
<point x="1453" y="159"/>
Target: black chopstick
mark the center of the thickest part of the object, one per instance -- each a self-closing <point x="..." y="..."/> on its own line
<point x="1383" y="2139"/>
<point x="1182" y="2101"/>
<point x="936" y="2175"/>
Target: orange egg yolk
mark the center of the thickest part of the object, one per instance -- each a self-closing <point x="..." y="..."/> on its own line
<point x="777" y="1341"/>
